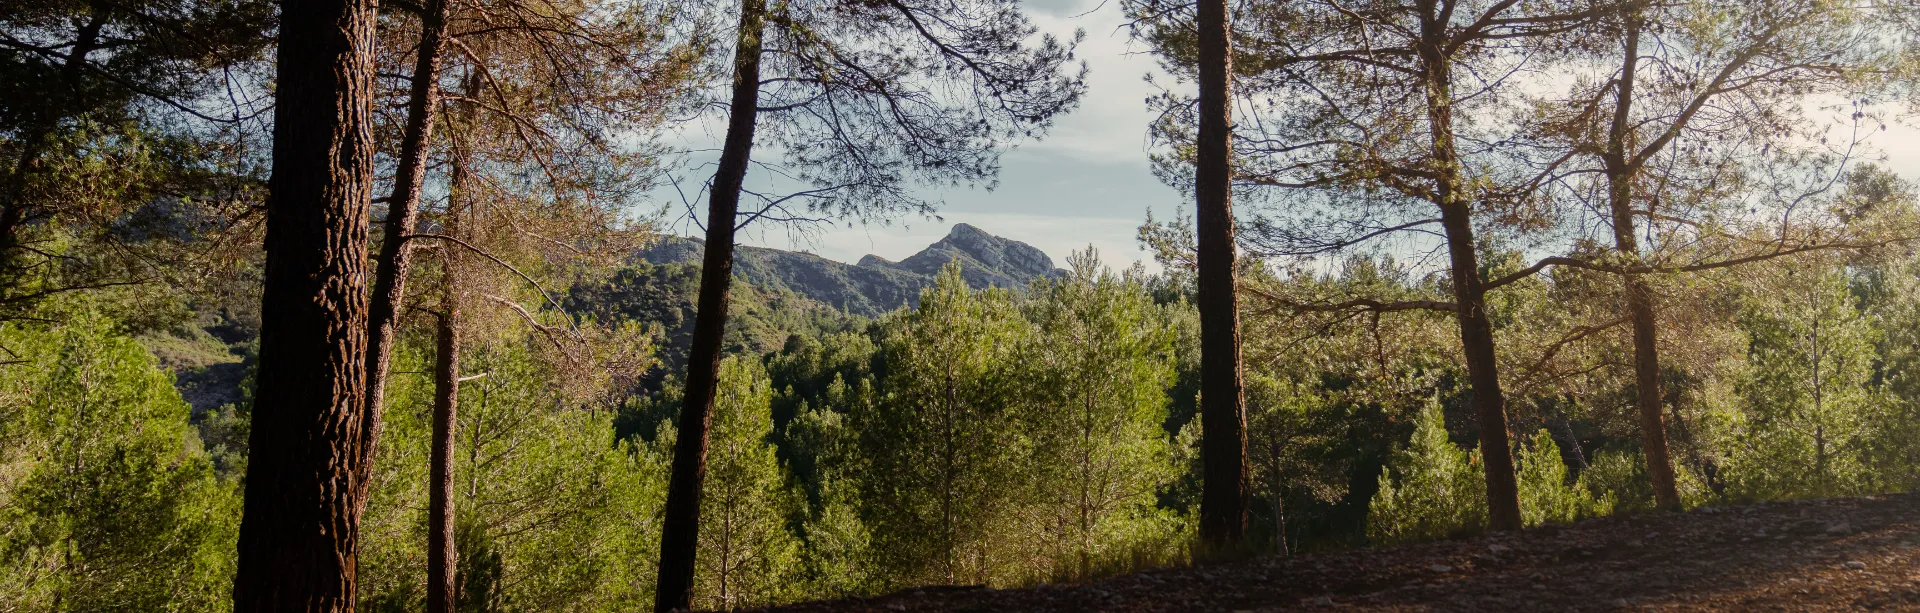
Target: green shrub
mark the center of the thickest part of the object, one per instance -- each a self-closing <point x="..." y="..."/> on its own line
<point x="1619" y="480"/>
<point x="1437" y="490"/>
<point x="1546" y="495"/>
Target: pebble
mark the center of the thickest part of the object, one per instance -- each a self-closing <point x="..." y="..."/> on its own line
<point x="1855" y="565"/>
<point x="1440" y="568"/>
<point x="1323" y="601"/>
<point x="1839" y="528"/>
<point x="1498" y="549"/>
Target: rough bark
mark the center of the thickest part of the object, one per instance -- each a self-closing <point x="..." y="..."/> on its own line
<point x="1476" y="342"/>
<point x="1469" y="290"/>
<point x="1621" y="172"/>
<point x="403" y="212"/>
<point x="679" y="539"/>
<point x="300" y="515"/>
<point x="441" y="556"/>
<point x="1223" y="415"/>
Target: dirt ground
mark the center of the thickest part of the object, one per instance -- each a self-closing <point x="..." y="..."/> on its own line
<point x="1829" y="555"/>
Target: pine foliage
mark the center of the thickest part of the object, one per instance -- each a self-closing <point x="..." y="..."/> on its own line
<point x="107" y="502"/>
<point x="1436" y="491"/>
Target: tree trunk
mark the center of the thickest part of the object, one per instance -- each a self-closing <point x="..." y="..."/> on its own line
<point x="1469" y="292"/>
<point x="1573" y="440"/>
<point x="1639" y="300"/>
<point x="679" y="539"/>
<point x="1279" y="522"/>
<point x="403" y="210"/>
<point x="1483" y="374"/>
<point x="441" y="556"/>
<point x="300" y="517"/>
<point x="1223" y="415"/>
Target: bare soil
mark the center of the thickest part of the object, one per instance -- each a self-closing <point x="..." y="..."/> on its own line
<point x="1856" y="554"/>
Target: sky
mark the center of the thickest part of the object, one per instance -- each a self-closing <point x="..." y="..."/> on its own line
<point x="1089" y="182"/>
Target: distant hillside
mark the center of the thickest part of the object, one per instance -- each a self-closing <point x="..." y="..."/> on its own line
<point x="876" y="285"/>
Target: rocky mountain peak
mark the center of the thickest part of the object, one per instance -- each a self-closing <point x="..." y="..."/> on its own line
<point x="876" y="285"/>
<point x="984" y="259"/>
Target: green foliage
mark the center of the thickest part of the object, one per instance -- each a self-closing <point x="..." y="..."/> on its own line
<point x="747" y="555"/>
<point x="1618" y="480"/>
<point x="1099" y="370"/>
<point x="941" y="454"/>
<point x="1437" y="490"/>
<point x="1893" y="448"/>
<point x="825" y="461"/>
<point x="554" y="515"/>
<point x="1806" y="421"/>
<point x="106" y="502"/>
<point x="1292" y="443"/>
<point x="822" y="376"/>
<point x="1547" y="494"/>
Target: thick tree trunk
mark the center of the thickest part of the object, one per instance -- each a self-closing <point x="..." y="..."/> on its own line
<point x="300" y="519"/>
<point x="1469" y="292"/>
<point x="1223" y="415"/>
<point x="403" y="211"/>
<point x="441" y="555"/>
<point x="1639" y="300"/>
<point x="1483" y="371"/>
<point x="679" y="539"/>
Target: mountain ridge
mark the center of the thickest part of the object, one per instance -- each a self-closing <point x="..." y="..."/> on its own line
<point x="875" y="285"/>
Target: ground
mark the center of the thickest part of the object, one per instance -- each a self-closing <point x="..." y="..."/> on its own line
<point x="1829" y="555"/>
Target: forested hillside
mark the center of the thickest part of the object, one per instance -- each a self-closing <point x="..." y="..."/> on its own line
<point x="336" y="305"/>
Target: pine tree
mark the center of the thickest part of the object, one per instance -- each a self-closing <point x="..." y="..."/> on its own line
<point x="833" y="81"/>
<point x="1287" y="436"/>
<point x="1809" y="359"/>
<point x="1547" y="496"/>
<point x="309" y="435"/>
<point x="1100" y="369"/>
<point x="747" y="555"/>
<point x="106" y="504"/>
<point x="550" y="516"/>
<point x="1436" y="490"/>
<point x="943" y="459"/>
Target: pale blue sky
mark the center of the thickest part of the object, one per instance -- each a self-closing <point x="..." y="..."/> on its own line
<point x="1089" y="182"/>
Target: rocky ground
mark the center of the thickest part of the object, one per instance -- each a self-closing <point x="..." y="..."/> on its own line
<point x="1829" y="555"/>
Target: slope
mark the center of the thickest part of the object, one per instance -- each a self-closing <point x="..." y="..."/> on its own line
<point x="875" y="285"/>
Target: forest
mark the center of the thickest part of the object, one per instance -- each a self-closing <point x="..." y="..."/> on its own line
<point x="337" y="305"/>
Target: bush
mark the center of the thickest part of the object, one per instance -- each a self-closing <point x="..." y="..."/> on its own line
<point x="1619" y="480"/>
<point x="1438" y="491"/>
<point x="1546" y="495"/>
